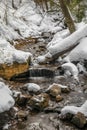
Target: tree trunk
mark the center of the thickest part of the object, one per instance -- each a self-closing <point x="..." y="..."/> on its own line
<point x="68" y="18"/>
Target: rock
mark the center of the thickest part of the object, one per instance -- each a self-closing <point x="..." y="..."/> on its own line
<point x="57" y="89"/>
<point x="12" y="61"/>
<point x="53" y="109"/>
<point x="65" y="89"/>
<point x="67" y="116"/>
<point x="22" y="100"/>
<point x="59" y="98"/>
<point x="32" y="87"/>
<point x="22" y="114"/>
<point x="39" y="102"/>
<point x="79" y="120"/>
<point x="4" y="119"/>
<point x="21" y="125"/>
<point x="8" y="71"/>
<point x="54" y="90"/>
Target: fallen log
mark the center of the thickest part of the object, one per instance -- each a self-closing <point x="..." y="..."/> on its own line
<point x="68" y="43"/>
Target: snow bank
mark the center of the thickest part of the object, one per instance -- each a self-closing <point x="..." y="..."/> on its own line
<point x="8" y="54"/>
<point x="69" y="42"/>
<point x="75" y="110"/>
<point x="21" y="18"/>
<point x="6" y="100"/>
<point x="79" y="53"/>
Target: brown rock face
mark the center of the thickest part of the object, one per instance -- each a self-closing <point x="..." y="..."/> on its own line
<point x="7" y="71"/>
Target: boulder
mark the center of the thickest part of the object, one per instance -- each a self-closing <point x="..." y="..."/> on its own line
<point x="8" y="71"/>
<point x="12" y="61"/>
<point x="39" y="102"/>
<point x="79" y="120"/>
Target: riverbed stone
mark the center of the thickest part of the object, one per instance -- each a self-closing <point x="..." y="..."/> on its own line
<point x="59" y="98"/>
<point x="39" y="102"/>
<point x="79" y="120"/>
<point x="22" y="114"/>
<point x="22" y="100"/>
<point x="55" y="90"/>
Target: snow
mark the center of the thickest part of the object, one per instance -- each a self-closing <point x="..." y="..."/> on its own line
<point x="21" y="19"/>
<point x="44" y="58"/>
<point x="79" y="53"/>
<point x="69" y="41"/>
<point x="8" y="54"/>
<point x="72" y="69"/>
<point x="32" y="87"/>
<point x="6" y="100"/>
<point x="74" y="109"/>
<point x="58" y="37"/>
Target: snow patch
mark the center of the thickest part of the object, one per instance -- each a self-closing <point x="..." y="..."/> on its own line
<point x="32" y="87"/>
<point x="6" y="100"/>
<point x="75" y="110"/>
<point x="72" y="69"/>
<point x="8" y="54"/>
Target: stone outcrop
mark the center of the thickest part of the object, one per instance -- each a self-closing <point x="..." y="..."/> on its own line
<point x="7" y="71"/>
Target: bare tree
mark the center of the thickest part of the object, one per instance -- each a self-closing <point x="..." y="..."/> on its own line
<point x="68" y="18"/>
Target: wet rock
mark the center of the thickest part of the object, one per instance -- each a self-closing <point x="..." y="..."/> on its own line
<point x="22" y="114"/>
<point x="54" y="90"/>
<point x="22" y="100"/>
<point x="53" y="109"/>
<point x="79" y="120"/>
<point x="39" y="102"/>
<point x="4" y="119"/>
<point x="67" y="116"/>
<point x="65" y="89"/>
<point x="59" y="98"/>
<point x="21" y="125"/>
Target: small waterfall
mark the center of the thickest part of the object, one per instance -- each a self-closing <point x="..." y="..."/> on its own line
<point x="34" y="72"/>
<point x="41" y="72"/>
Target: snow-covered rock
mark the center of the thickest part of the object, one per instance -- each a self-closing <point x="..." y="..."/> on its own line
<point x="74" y="109"/>
<point x="72" y="69"/>
<point x="8" y="54"/>
<point x="44" y="58"/>
<point x="12" y="61"/>
<point x="6" y="100"/>
<point x="32" y="87"/>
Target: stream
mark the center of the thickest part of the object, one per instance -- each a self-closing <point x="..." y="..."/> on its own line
<point x="76" y="96"/>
